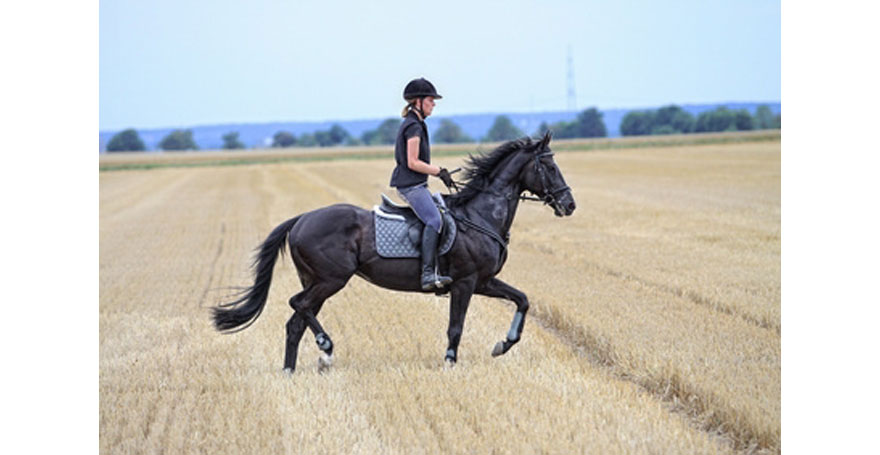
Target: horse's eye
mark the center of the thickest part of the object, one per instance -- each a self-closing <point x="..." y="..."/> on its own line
<point x="552" y="169"/>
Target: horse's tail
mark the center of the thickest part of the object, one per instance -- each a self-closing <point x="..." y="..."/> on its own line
<point x="243" y="311"/>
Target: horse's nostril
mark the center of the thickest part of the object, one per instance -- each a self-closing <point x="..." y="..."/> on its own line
<point x="571" y="206"/>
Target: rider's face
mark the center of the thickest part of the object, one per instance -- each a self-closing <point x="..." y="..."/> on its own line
<point x="427" y="105"/>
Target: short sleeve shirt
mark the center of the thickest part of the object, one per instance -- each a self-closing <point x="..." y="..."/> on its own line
<point x="411" y="127"/>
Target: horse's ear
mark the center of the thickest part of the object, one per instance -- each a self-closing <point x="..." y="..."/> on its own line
<point x="545" y="140"/>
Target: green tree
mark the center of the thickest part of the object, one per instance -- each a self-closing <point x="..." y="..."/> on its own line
<point x="675" y="118"/>
<point x="744" y="121"/>
<point x="664" y="129"/>
<point x="503" y="130"/>
<point x="636" y="123"/>
<point x="323" y="138"/>
<point x="763" y="117"/>
<point x="307" y="140"/>
<point x="178" y="140"/>
<point x="589" y="124"/>
<point x="542" y="129"/>
<point x="670" y="119"/>
<point x="450" y="133"/>
<point x="386" y="133"/>
<point x="230" y="141"/>
<point x="283" y="139"/>
<point x="720" y="119"/>
<point x="126" y="141"/>
<point x="338" y="135"/>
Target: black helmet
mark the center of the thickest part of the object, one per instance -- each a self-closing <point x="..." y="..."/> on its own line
<point x="418" y="88"/>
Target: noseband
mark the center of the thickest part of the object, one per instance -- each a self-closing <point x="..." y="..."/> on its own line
<point x="550" y="196"/>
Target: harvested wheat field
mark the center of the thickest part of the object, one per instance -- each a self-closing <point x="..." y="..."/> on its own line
<point x="654" y="325"/>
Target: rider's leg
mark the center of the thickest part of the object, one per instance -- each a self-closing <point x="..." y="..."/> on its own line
<point x="419" y="198"/>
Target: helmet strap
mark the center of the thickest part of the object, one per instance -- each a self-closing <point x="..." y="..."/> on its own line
<point x="418" y="109"/>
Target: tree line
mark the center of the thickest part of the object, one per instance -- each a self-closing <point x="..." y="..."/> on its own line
<point x="670" y="119"/>
<point x="673" y="119"/>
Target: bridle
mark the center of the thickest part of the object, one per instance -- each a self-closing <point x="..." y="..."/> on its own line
<point x="551" y="195"/>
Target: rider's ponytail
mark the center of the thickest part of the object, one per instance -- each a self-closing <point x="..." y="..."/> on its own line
<point x="407" y="108"/>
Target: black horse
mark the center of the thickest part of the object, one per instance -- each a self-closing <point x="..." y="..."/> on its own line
<point x="330" y="244"/>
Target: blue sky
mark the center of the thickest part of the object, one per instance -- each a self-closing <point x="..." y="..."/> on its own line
<point x="186" y="62"/>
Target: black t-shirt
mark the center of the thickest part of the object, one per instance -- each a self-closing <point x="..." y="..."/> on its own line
<point x="411" y="127"/>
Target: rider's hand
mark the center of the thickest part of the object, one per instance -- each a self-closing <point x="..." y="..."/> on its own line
<point x="447" y="179"/>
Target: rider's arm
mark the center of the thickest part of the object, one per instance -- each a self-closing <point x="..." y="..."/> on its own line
<point x="412" y="158"/>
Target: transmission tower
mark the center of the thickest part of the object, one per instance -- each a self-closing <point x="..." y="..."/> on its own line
<point x="572" y="97"/>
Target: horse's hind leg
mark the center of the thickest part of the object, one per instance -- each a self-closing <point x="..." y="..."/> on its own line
<point x="325" y="344"/>
<point x="306" y="305"/>
<point x="324" y="248"/>
<point x="296" y="325"/>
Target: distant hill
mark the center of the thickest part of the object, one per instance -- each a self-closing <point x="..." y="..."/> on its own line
<point x="474" y="125"/>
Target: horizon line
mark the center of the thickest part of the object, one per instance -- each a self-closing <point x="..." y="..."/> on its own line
<point x="365" y="119"/>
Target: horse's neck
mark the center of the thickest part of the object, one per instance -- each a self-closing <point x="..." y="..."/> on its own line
<point x="497" y="206"/>
<point x="496" y="210"/>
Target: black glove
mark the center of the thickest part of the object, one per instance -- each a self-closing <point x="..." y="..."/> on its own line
<point x="447" y="179"/>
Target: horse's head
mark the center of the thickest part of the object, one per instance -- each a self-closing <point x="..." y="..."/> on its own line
<point x="542" y="177"/>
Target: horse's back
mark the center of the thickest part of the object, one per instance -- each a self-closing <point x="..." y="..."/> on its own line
<point x="340" y="240"/>
<point x="331" y="233"/>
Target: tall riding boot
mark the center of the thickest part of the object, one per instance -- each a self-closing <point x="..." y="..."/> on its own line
<point x="430" y="278"/>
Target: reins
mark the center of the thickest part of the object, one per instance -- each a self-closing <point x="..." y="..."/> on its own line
<point x="548" y="198"/>
<point x="484" y="230"/>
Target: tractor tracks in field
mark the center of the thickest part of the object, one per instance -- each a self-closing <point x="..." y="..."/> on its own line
<point x="677" y="291"/>
<point x="676" y="394"/>
<point x="691" y="296"/>
<point x="213" y="269"/>
<point x="700" y="407"/>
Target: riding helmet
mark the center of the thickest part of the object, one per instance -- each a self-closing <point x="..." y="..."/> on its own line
<point x="418" y="88"/>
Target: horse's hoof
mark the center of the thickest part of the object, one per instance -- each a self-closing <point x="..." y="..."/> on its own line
<point x="324" y="362"/>
<point x="498" y="349"/>
<point x="449" y="363"/>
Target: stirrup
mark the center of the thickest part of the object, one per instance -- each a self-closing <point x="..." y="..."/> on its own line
<point x="436" y="282"/>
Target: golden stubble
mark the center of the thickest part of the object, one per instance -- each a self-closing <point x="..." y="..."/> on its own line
<point x="654" y="326"/>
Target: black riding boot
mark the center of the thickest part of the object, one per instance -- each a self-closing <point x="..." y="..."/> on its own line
<point x="430" y="278"/>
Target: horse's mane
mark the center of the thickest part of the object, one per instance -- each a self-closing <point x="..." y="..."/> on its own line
<point x="478" y="170"/>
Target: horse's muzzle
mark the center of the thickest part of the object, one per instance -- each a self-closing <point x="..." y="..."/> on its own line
<point x="565" y="205"/>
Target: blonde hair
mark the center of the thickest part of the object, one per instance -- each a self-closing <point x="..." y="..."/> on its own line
<point x="408" y="107"/>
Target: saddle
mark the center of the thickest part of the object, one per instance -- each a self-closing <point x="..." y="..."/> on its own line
<point x="399" y="230"/>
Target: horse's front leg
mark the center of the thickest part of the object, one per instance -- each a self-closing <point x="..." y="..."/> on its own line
<point x="460" y="297"/>
<point x="498" y="288"/>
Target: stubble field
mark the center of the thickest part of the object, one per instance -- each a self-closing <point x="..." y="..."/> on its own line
<point x="654" y="326"/>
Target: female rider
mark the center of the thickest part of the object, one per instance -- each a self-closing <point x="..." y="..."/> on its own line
<point x="412" y="152"/>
